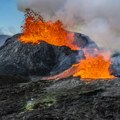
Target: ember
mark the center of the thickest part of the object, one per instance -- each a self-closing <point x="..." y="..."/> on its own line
<point x="36" y="30"/>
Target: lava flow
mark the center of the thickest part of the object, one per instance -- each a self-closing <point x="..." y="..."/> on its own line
<point x="93" y="67"/>
<point x="36" y="30"/>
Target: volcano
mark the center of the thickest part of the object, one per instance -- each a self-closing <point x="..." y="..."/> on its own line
<point x="36" y="30"/>
<point x="67" y="98"/>
<point x="42" y="59"/>
<point x="46" y="48"/>
<point x="49" y="73"/>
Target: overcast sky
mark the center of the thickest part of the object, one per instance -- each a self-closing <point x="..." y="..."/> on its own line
<point x="10" y="18"/>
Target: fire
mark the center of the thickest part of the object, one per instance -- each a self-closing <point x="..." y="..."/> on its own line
<point x="36" y="30"/>
<point x="95" y="66"/>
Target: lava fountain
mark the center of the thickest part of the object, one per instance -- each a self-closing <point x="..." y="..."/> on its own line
<point x="94" y="66"/>
<point x="36" y="30"/>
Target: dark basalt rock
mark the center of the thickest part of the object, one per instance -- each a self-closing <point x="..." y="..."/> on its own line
<point x="10" y="80"/>
<point x="43" y="59"/>
<point x="67" y="99"/>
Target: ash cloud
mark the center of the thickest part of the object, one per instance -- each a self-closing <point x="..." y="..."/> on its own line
<point x="98" y="19"/>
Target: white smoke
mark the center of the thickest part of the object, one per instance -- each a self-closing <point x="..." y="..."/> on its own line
<point x="98" y="19"/>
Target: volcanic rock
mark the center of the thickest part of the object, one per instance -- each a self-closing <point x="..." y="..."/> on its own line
<point x="9" y="80"/>
<point x="66" y="99"/>
<point x="43" y="59"/>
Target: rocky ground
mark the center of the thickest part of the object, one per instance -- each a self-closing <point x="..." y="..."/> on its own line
<point x="25" y="96"/>
<point x="67" y="99"/>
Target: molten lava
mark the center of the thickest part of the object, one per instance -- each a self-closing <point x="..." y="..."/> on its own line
<point x="36" y="30"/>
<point x="95" y="66"/>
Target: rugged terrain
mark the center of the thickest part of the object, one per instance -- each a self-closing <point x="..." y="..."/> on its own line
<point x="67" y="99"/>
<point x="24" y="96"/>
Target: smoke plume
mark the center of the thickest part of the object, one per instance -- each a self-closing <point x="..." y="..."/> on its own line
<point x="98" y="19"/>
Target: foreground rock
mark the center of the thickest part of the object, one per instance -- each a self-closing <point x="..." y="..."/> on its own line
<point x="17" y="58"/>
<point x="67" y="99"/>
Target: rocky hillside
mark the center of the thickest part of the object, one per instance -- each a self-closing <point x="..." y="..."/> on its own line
<point x="23" y="98"/>
<point x="17" y="58"/>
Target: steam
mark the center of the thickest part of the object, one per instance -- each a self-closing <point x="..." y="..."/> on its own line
<point x="98" y="19"/>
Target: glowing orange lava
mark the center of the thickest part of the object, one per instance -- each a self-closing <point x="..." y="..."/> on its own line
<point x="36" y="30"/>
<point x="94" y="67"/>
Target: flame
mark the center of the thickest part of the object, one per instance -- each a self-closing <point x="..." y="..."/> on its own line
<point x="95" y="66"/>
<point x="36" y="30"/>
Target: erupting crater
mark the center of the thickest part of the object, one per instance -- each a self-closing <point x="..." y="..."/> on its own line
<point x="36" y="30"/>
<point x="94" y="66"/>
